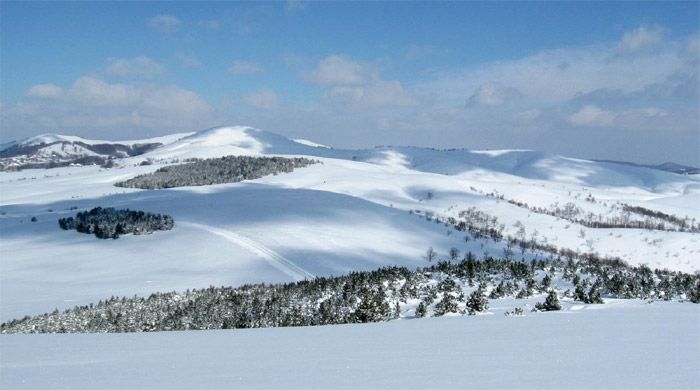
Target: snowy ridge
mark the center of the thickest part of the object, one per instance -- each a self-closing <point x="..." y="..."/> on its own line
<point x="356" y="210"/>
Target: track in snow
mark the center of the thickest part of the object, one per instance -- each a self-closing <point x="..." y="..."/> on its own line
<point x="276" y="260"/>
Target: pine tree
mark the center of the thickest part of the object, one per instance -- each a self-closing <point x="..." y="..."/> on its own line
<point x="694" y="295"/>
<point x="372" y="307"/>
<point x="421" y="310"/>
<point x="477" y="302"/>
<point x="594" y="294"/>
<point x="448" y="304"/>
<point x="551" y="303"/>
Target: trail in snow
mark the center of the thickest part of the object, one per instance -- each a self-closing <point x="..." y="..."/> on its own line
<point x="276" y="260"/>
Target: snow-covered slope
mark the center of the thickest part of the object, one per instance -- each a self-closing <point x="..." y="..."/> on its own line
<point x="631" y="345"/>
<point x="53" y="150"/>
<point x="351" y="211"/>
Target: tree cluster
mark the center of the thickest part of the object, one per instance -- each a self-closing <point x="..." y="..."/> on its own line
<point x="111" y="223"/>
<point x="621" y="216"/>
<point x="380" y="295"/>
<point x="229" y="169"/>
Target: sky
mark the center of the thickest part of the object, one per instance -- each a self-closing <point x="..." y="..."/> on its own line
<point x="599" y="80"/>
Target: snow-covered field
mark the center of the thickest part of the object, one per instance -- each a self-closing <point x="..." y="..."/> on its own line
<point x="350" y="212"/>
<point x="620" y="345"/>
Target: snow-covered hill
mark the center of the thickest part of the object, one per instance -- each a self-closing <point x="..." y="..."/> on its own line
<point x="54" y="150"/>
<point x="358" y="209"/>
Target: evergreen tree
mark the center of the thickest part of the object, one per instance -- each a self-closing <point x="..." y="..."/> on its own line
<point x="550" y="303"/>
<point x="477" y="302"/>
<point x="372" y="307"/>
<point x="421" y="310"/>
<point x="594" y="294"/>
<point x="448" y="304"/>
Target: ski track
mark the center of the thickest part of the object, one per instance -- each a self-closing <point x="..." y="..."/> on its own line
<point x="276" y="260"/>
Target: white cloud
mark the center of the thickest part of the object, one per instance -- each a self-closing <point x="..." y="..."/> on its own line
<point x="93" y="105"/>
<point x="244" y="67"/>
<point x="338" y="70"/>
<point x="692" y="48"/>
<point x="164" y="23"/>
<point x="155" y="101"/>
<point x="528" y="115"/>
<point x="592" y="116"/>
<point x="91" y="91"/>
<point x="378" y="93"/>
<point x="652" y="112"/>
<point x="641" y="38"/>
<point x="354" y="85"/>
<point x="295" y="5"/>
<point x="492" y="94"/>
<point x="140" y="66"/>
<point x="44" y="91"/>
<point x="554" y="77"/>
<point x="263" y="98"/>
<point x="188" y="60"/>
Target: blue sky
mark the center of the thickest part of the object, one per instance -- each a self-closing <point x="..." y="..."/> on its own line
<point x="596" y="80"/>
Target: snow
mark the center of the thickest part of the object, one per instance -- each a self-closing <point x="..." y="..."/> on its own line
<point x="310" y="143"/>
<point x="349" y="212"/>
<point x="49" y="138"/>
<point x="224" y="235"/>
<point x="622" y="345"/>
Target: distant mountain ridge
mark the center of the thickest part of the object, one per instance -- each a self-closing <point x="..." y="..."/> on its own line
<point x="667" y="166"/>
<point x="54" y="150"/>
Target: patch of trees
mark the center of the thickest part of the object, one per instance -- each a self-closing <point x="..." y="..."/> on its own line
<point x="86" y="160"/>
<point x="381" y="295"/>
<point x="229" y="169"/>
<point x="111" y="223"/>
<point x="619" y="216"/>
<point x="680" y="224"/>
<point x="482" y="225"/>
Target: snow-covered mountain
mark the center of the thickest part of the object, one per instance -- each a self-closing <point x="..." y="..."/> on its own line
<point x="55" y="150"/>
<point x="356" y="210"/>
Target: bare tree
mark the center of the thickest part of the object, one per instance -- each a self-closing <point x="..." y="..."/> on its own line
<point x="430" y="254"/>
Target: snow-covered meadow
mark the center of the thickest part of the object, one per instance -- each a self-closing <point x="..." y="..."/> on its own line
<point x="356" y="210"/>
<point x="620" y="345"/>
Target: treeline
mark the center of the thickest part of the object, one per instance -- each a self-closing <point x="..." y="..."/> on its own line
<point x="229" y="169"/>
<point x="619" y="216"/>
<point x="481" y="225"/>
<point x="388" y="293"/>
<point x="682" y="224"/>
<point x="111" y="223"/>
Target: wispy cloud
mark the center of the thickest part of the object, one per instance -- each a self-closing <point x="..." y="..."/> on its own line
<point x="592" y="116"/>
<point x="140" y="66"/>
<point x="492" y="94"/>
<point x="44" y="91"/>
<point x="239" y="67"/>
<point x="338" y="70"/>
<point x="641" y="38"/>
<point x="295" y="5"/>
<point x="263" y="99"/>
<point x="354" y="84"/>
<point x="164" y="23"/>
<point x="93" y="104"/>
<point x="188" y="60"/>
